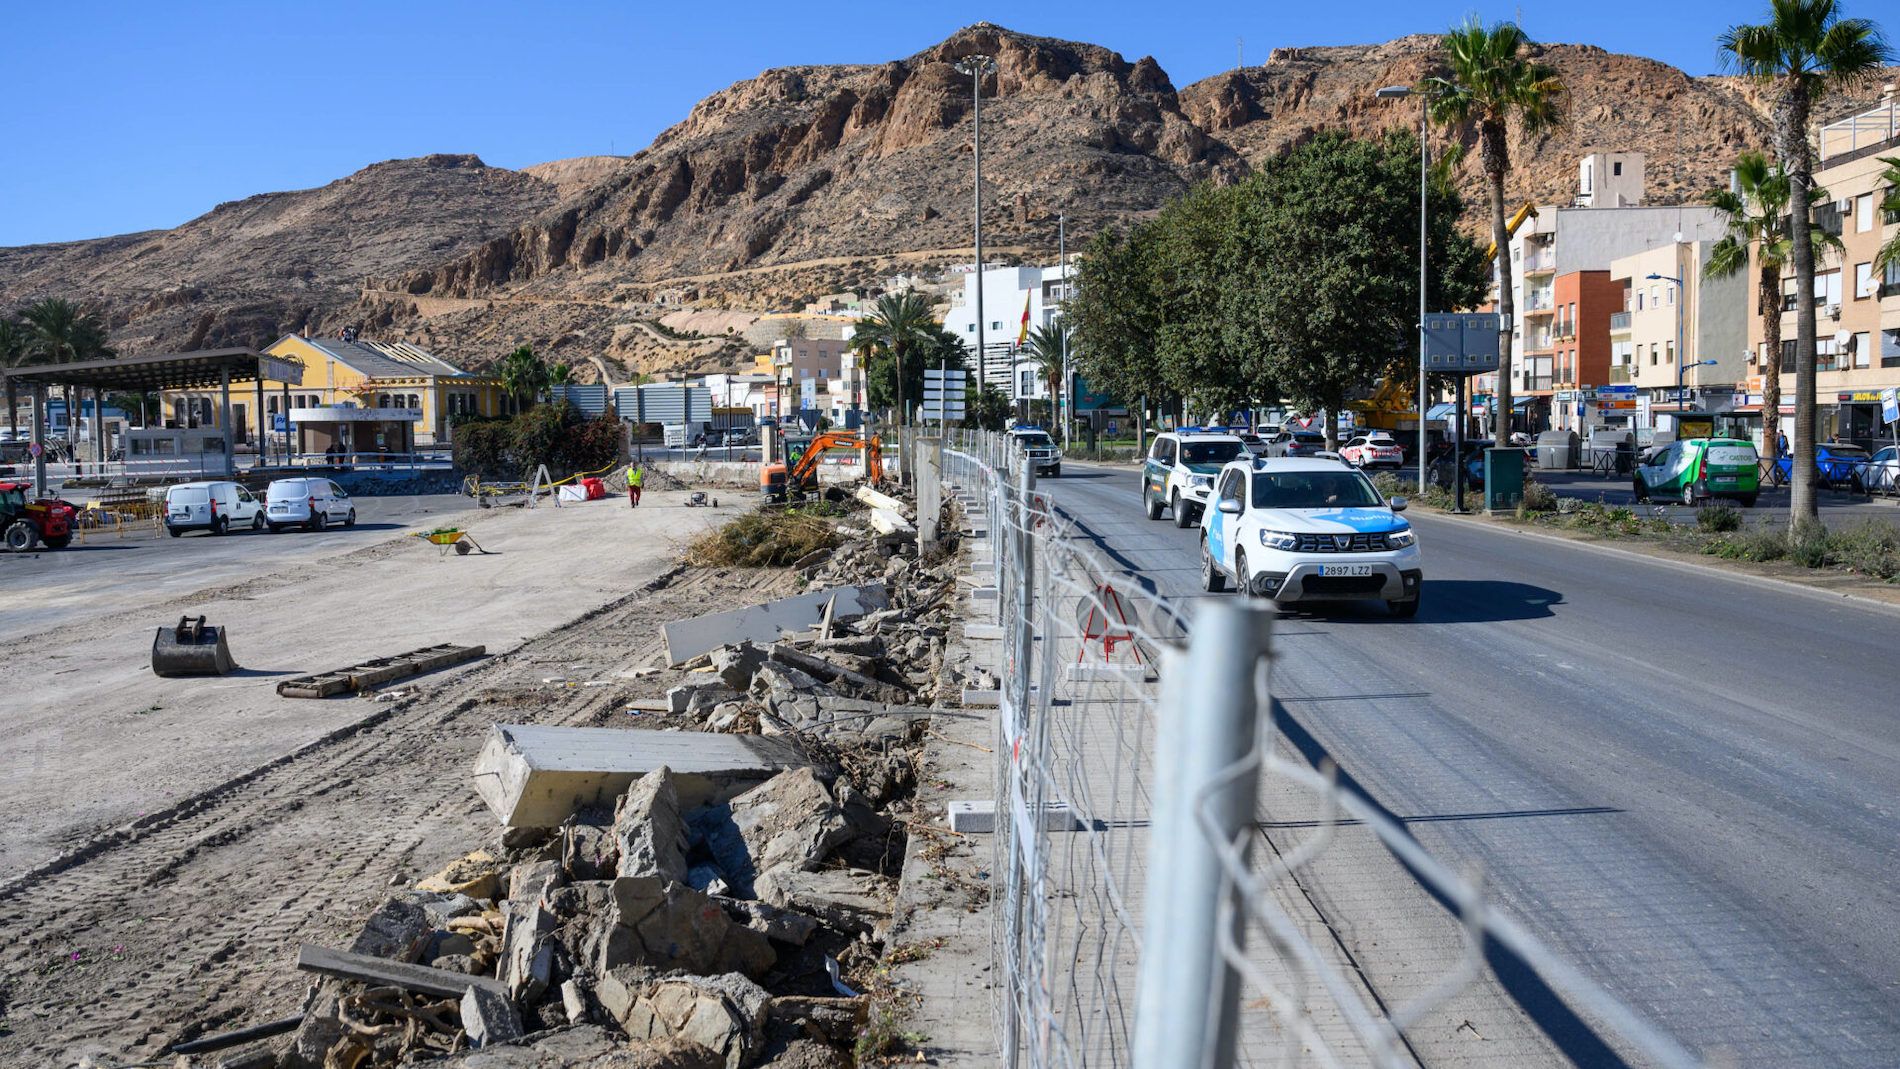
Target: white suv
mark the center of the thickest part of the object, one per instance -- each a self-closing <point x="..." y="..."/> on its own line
<point x="1179" y="471"/>
<point x="1309" y="530"/>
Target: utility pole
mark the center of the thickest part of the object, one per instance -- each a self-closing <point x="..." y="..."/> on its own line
<point x="976" y="67"/>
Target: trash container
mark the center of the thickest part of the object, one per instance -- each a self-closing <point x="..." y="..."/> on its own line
<point x="1503" y="479"/>
<point x="1557" y="450"/>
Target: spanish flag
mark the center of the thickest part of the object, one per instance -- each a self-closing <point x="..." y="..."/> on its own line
<point x="1022" y="336"/>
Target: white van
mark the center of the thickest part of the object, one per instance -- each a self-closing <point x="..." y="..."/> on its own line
<point x="211" y="506"/>
<point x="308" y="502"/>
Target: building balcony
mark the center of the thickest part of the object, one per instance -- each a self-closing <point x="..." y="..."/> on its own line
<point x="1537" y="382"/>
<point x="1540" y="263"/>
<point x="1619" y="374"/>
<point x="1619" y="321"/>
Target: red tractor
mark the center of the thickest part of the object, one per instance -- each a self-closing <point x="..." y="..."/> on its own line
<point x="24" y="524"/>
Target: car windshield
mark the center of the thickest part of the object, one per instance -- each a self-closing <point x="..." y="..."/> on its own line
<point x="1038" y="441"/>
<point x="1313" y="490"/>
<point x="1209" y="452"/>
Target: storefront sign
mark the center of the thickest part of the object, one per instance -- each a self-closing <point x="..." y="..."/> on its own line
<point x="1860" y="397"/>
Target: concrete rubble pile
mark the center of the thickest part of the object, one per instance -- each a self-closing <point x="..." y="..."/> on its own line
<point x="683" y="925"/>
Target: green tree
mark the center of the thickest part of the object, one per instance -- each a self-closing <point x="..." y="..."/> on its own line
<point x="523" y="377"/>
<point x="13" y="354"/>
<point x="1806" y="49"/>
<point x="60" y="331"/>
<point x="934" y="348"/>
<point x="560" y="375"/>
<point x="1336" y="291"/>
<point x="897" y="325"/>
<point x="1045" y="349"/>
<point x="1115" y="313"/>
<point x="1755" y="217"/>
<point x="1493" y="82"/>
<point x="1889" y="253"/>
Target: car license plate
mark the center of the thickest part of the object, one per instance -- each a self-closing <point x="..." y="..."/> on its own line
<point x="1345" y="569"/>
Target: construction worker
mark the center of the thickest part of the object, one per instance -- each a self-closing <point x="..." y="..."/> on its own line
<point x="636" y="478"/>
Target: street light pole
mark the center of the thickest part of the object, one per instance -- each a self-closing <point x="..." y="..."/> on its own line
<point x="976" y="66"/>
<point x="1397" y="92"/>
<point x="1065" y="402"/>
<point x="1682" y="356"/>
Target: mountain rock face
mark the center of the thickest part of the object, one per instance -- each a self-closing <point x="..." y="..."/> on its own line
<point x="806" y="180"/>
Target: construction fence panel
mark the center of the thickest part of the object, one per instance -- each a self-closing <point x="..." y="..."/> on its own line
<point x="1134" y="920"/>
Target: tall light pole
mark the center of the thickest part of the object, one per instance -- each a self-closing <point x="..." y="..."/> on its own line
<point x="1682" y="356"/>
<point x="976" y="67"/>
<point x="1399" y="92"/>
<point x="1065" y="402"/>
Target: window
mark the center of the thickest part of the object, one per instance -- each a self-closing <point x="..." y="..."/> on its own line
<point x="1827" y="287"/>
<point x="1890" y="279"/>
<point x="1655" y="296"/>
<point x="1671" y="296"/>
<point x="971" y="329"/>
<point x="1652" y="354"/>
<point x="996" y="324"/>
<point x="1890" y="348"/>
<point x="1863" y="213"/>
<point x="1787" y="356"/>
<point x="1864" y="284"/>
<point x="1863" y="356"/>
<point x="1827" y="355"/>
<point x="1787" y="295"/>
<point x="1639" y="300"/>
<point x="1616" y="168"/>
<point x="1669" y="352"/>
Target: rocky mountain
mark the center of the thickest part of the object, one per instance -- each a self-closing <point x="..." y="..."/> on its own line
<point x="806" y="180"/>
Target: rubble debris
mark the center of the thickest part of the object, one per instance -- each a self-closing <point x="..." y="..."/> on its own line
<point x="527" y="954"/>
<point x="658" y="922"/>
<point x="418" y="978"/>
<point x="374" y="673"/>
<point x="399" y="929"/>
<point x="585" y="1046"/>
<point x="791" y="820"/>
<point x="537" y="776"/>
<point x="687" y="639"/>
<point x="726" y="1014"/>
<point x="573" y="1003"/>
<point x="696" y="698"/>
<point x="473" y="876"/>
<point x="783" y="925"/>
<point x="844" y="899"/>
<point x="488" y="1018"/>
<point x="648" y="830"/>
<point x="737" y="662"/>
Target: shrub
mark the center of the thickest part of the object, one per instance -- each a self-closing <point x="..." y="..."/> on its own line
<point x="1809" y="544"/>
<point x="1760" y="544"/>
<point x="1538" y="497"/>
<point x="1870" y="547"/>
<point x="765" y="539"/>
<point x="1718" y="518"/>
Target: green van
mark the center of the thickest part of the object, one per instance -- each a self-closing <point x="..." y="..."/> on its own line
<point x="1692" y="469"/>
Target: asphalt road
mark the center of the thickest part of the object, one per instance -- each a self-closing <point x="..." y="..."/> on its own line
<point x="1687" y="784"/>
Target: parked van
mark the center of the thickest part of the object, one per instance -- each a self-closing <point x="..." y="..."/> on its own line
<point x="311" y="503"/>
<point x="211" y="506"/>
<point x="1694" y="469"/>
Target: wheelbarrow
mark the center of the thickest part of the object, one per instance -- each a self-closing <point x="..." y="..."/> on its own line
<point x="461" y="541"/>
<point x="193" y="648"/>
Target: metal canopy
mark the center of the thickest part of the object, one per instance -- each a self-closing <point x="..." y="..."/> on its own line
<point x="165" y="371"/>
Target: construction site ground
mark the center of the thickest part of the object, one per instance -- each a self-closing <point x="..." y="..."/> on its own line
<point x="170" y="842"/>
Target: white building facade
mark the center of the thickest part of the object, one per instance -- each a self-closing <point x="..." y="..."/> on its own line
<point x="1007" y="293"/>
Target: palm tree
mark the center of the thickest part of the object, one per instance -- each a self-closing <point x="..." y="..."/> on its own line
<point x="1889" y="253"/>
<point x="1805" y="49"/>
<point x="1756" y="217"/>
<point x="523" y="375"/>
<point x="897" y="324"/>
<point x="560" y="375"/>
<point x="13" y="354"/>
<point x="1494" y="82"/>
<point x="1045" y="348"/>
<point x="61" y="332"/>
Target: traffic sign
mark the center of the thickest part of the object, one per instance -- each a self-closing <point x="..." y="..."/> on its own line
<point x="1890" y="405"/>
<point x="36" y="449"/>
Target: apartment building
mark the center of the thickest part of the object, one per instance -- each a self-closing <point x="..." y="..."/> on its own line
<point x="1008" y="292"/>
<point x="1671" y="319"/>
<point x="1857" y="324"/>
<point x="1578" y="243"/>
<point x="804" y="369"/>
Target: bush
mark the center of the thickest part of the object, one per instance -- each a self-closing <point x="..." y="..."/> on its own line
<point x="1538" y="497"/>
<point x="1870" y="547"/>
<point x="1809" y="544"/>
<point x="765" y="539"/>
<point x="1761" y="544"/>
<point x="1718" y="518"/>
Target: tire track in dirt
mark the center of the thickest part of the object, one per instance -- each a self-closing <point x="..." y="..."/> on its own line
<point x="187" y="921"/>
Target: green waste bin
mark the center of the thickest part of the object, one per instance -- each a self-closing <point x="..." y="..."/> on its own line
<point x="1503" y="479"/>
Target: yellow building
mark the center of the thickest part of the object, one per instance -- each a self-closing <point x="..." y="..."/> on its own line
<point x="414" y="385"/>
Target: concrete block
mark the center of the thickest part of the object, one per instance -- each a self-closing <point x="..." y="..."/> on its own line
<point x="532" y="775"/>
<point x="1097" y="671"/>
<point x="687" y="639"/>
<point x="983" y="593"/>
<point x="982" y="632"/>
<point x="979" y="817"/>
<point x="980" y="699"/>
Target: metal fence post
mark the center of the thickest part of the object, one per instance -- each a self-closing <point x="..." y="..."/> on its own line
<point x="1187" y="1000"/>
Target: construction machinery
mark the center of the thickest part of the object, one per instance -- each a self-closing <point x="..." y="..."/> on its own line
<point x="24" y="524"/>
<point x="193" y="648"/>
<point x="1526" y="212"/>
<point x="795" y="474"/>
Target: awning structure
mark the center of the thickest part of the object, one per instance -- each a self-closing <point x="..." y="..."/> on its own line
<point x="205" y="369"/>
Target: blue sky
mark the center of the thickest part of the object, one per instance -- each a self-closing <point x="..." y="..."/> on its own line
<point x="132" y="115"/>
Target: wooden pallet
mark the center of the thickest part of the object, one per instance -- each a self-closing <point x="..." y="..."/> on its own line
<point x="379" y="671"/>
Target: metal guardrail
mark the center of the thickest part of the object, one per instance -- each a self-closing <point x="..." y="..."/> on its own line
<point x="1132" y="922"/>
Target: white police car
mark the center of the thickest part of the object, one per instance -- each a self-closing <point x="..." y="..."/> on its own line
<point x="1309" y="530"/>
<point x="1179" y="471"/>
<point x="1040" y="449"/>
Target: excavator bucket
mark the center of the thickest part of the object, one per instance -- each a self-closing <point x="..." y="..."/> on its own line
<point x="191" y="649"/>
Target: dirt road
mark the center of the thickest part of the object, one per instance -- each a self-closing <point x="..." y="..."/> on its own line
<point x="187" y="922"/>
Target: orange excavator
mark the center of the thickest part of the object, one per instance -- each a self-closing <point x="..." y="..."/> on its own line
<point x="796" y="473"/>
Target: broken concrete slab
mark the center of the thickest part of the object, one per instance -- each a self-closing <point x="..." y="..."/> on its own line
<point x="686" y="639"/>
<point x="855" y="684"/>
<point x="975" y="698"/>
<point x="784" y="925"/>
<point x="527" y="954"/>
<point x="669" y="925"/>
<point x="845" y="899"/>
<point x="887" y="522"/>
<point x="878" y="500"/>
<point x="377" y="971"/>
<point x="488" y="1018"/>
<point x="698" y="698"/>
<point x="735" y="664"/>
<point x="578" y="1046"/>
<point x="649" y="830"/>
<point x="533" y="775"/>
<point x="791" y="820"/>
<point x="399" y="930"/>
<point x="725" y="1014"/>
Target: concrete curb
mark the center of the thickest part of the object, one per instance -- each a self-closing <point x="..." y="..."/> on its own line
<point x="1763" y="581"/>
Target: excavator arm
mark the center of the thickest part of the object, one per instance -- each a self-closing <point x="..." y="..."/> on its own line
<point x="1528" y="211"/>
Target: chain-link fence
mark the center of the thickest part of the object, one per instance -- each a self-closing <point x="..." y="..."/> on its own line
<point x="1138" y="919"/>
